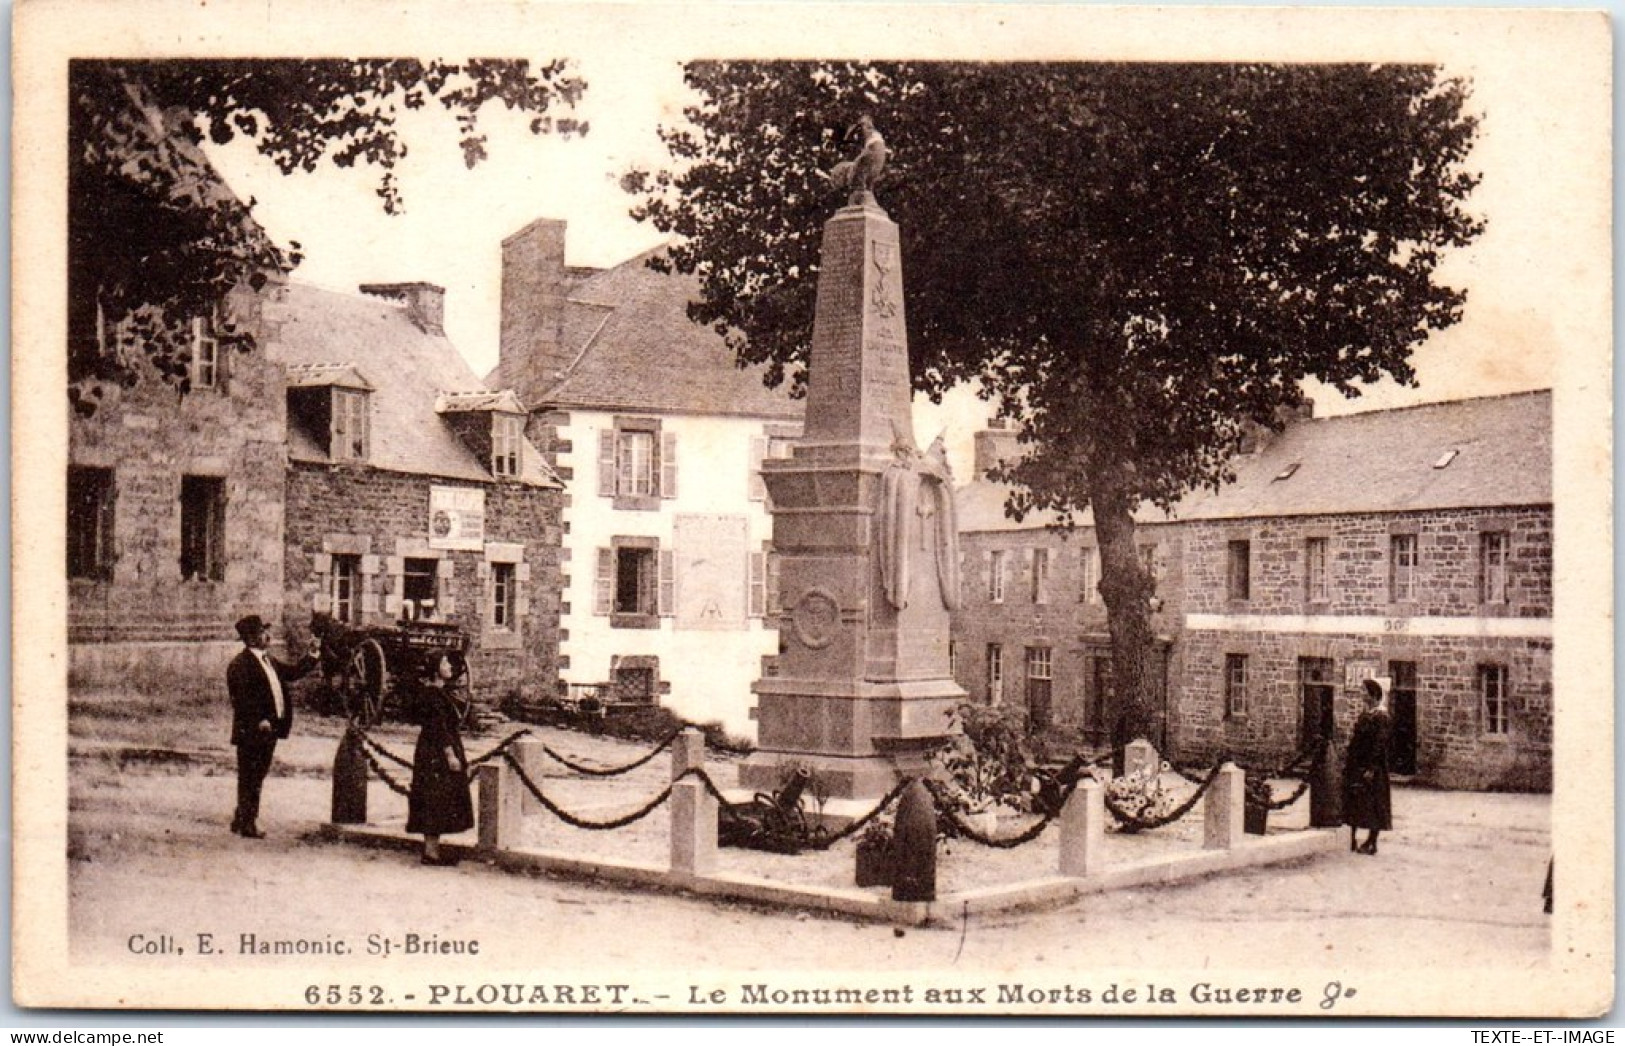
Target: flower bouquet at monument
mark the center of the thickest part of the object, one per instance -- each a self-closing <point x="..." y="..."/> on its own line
<point x="1140" y="795"/>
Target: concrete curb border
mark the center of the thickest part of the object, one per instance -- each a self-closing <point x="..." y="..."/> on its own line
<point x="869" y="904"/>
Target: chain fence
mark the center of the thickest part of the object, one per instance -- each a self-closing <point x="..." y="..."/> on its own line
<point x="613" y="771"/>
<point x="1132" y="822"/>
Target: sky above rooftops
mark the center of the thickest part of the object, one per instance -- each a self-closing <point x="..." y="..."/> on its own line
<point x="1527" y="277"/>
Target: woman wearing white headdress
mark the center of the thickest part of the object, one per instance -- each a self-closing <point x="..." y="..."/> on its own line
<point x="1366" y="801"/>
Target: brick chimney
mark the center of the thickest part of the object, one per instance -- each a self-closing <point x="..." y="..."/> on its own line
<point x="534" y="284"/>
<point x="1256" y="438"/>
<point x="993" y="446"/>
<point x="425" y="303"/>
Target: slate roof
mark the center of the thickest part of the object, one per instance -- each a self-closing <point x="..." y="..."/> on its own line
<point x="1383" y="461"/>
<point x="1380" y="461"/>
<point x="634" y="348"/>
<point x="323" y="331"/>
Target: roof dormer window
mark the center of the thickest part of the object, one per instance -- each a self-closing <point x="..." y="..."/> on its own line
<point x="205" y="353"/>
<point x="1445" y="459"/>
<point x="507" y="436"/>
<point x="350" y="425"/>
<point x="1288" y="472"/>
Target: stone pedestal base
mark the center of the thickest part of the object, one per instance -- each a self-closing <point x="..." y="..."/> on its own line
<point x="859" y="739"/>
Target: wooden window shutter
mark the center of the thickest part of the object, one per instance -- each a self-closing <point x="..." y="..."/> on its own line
<point x="773" y="604"/>
<point x="758" y="451"/>
<point x="666" y="598"/>
<point x="758" y="584"/>
<point x="604" y="583"/>
<point x="606" y="463"/>
<point x="668" y="464"/>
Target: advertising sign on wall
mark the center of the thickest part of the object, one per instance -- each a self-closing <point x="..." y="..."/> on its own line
<point x="456" y="518"/>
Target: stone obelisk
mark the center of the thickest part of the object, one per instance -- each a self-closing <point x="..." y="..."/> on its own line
<point x="863" y="525"/>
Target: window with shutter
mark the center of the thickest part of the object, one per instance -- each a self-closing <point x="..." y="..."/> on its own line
<point x="606" y="463"/>
<point x="604" y="584"/>
<point x="758" y="584"/>
<point x="637" y="464"/>
<point x="666" y="598"/>
<point x="773" y="605"/>
<point x="668" y="464"/>
<point x="758" y="451"/>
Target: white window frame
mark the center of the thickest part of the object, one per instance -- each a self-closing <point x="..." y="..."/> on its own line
<point x="995" y="576"/>
<point x="1040" y="579"/>
<point x="636" y="471"/>
<point x="1316" y="564"/>
<point x="995" y="673"/>
<point x="1235" y="686"/>
<point x="1089" y="575"/>
<point x="507" y="444"/>
<point x="1238" y="569"/>
<point x="344" y="588"/>
<point x="1403" y="559"/>
<point x="205" y="354"/>
<point x="1495" y="699"/>
<point x="504" y="596"/>
<point x="1494" y="553"/>
<point x="350" y="415"/>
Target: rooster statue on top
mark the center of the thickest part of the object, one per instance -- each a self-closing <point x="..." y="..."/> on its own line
<point x="858" y="176"/>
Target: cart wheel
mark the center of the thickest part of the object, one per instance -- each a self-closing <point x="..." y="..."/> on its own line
<point x="461" y="692"/>
<point x="365" y="678"/>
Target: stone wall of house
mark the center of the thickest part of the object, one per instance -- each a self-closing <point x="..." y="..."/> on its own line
<point x="1448" y="632"/>
<point x="143" y="624"/>
<point x="1070" y="621"/>
<point x="383" y="518"/>
<point x="1358" y="548"/>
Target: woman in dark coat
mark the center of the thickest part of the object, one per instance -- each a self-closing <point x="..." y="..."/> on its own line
<point x="439" y="802"/>
<point x="1366" y="802"/>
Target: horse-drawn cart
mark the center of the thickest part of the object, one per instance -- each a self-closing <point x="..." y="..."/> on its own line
<point x="364" y="668"/>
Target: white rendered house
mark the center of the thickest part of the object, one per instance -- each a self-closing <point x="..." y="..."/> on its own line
<point x="668" y="575"/>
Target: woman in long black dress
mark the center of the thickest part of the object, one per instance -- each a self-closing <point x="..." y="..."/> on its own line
<point x="439" y="802"/>
<point x="1366" y="801"/>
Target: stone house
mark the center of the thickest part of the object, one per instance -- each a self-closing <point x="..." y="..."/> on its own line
<point x="668" y="574"/>
<point x="1413" y="544"/>
<point x="411" y="490"/>
<point x="1031" y="625"/>
<point x="174" y="511"/>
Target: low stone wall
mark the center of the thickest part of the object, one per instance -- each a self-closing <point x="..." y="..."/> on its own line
<point x="150" y="667"/>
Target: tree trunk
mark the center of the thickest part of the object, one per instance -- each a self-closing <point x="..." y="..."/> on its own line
<point x="1127" y="588"/>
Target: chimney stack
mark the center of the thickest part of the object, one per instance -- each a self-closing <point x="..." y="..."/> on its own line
<point x="425" y="303"/>
<point x="1256" y="438"/>
<point x="534" y="285"/>
<point x="993" y="446"/>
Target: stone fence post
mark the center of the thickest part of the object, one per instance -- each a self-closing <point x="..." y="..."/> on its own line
<point x="693" y="828"/>
<point x="528" y="753"/>
<point x="500" y="808"/>
<point x="1225" y="809"/>
<point x="1083" y="829"/>
<point x="687" y="752"/>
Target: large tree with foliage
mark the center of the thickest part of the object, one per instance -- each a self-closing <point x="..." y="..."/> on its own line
<point x="1136" y="261"/>
<point x="155" y="240"/>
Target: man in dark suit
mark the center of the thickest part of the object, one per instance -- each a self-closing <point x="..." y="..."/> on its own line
<point x="261" y="713"/>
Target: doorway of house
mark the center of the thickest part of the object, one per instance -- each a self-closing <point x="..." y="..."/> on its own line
<point x="1098" y="706"/>
<point x="1402" y="706"/>
<point x="1315" y="683"/>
